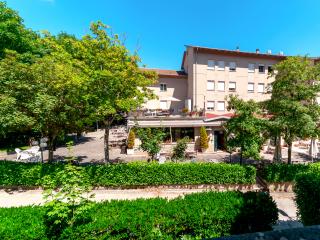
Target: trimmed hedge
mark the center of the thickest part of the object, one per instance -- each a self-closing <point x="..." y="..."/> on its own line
<point x="199" y="215"/>
<point x="276" y="173"/>
<point x="14" y="174"/>
<point x="307" y="191"/>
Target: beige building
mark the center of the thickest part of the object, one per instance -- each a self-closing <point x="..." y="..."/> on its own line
<point x="196" y="95"/>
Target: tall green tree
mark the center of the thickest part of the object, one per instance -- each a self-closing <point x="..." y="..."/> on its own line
<point x="13" y="34"/>
<point x="293" y="105"/>
<point x="245" y="129"/>
<point x="115" y="83"/>
<point x="45" y="94"/>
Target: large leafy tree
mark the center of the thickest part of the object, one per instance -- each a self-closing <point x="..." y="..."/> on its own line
<point x="293" y="106"/>
<point x="245" y="129"/>
<point x="13" y="34"/>
<point x="115" y="83"/>
<point x="45" y="94"/>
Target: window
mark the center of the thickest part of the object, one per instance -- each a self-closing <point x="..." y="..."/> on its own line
<point x="221" y="65"/>
<point x="220" y="86"/>
<point x="261" y="68"/>
<point x="210" y="64"/>
<point x="210" y="105"/>
<point x="220" y="106"/>
<point x="232" y="86"/>
<point x="269" y="68"/>
<point x="210" y="85"/>
<point x="250" y="87"/>
<point x="232" y="66"/>
<point x="260" y="87"/>
<point x="163" y="104"/>
<point x="163" y="87"/>
<point x="251" y="67"/>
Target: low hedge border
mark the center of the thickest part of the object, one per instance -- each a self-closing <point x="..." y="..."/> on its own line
<point x="136" y="175"/>
<point x="195" y="216"/>
<point x="285" y="173"/>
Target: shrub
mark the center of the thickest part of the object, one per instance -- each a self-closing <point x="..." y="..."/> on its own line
<point x="203" y="138"/>
<point x="307" y="191"/>
<point x="274" y="173"/>
<point x="131" y="139"/>
<point x="196" y="216"/>
<point x="14" y="174"/>
<point x="179" y="151"/>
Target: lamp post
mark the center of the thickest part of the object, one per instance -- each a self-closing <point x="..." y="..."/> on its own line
<point x="43" y="144"/>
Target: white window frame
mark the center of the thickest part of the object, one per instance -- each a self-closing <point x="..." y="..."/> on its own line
<point x="212" y="65"/>
<point x="221" y="66"/>
<point x="224" y="86"/>
<point x="164" y="101"/>
<point x="232" y="68"/>
<point x="213" y="85"/>
<point x="250" y="70"/>
<point x="235" y="87"/>
<point x="224" y="106"/>
<point x="210" y="108"/>
<point x="250" y="83"/>
<point x="263" y="87"/>
<point x="164" y="86"/>
<point x="264" y="68"/>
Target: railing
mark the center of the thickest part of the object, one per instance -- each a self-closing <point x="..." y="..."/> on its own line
<point x="151" y="113"/>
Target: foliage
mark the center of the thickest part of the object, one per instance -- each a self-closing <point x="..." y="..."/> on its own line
<point x="13" y="174"/>
<point x="203" y="138"/>
<point x="179" y="151"/>
<point x="68" y="205"/>
<point x="293" y="106"/>
<point x="131" y="139"/>
<point x="115" y="84"/>
<point x="307" y="192"/>
<point x="151" y="139"/>
<point x="13" y="34"/>
<point x="244" y="129"/>
<point x="196" y="216"/>
<point x="276" y="173"/>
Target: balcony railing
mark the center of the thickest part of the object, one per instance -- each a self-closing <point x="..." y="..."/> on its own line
<point x="163" y="113"/>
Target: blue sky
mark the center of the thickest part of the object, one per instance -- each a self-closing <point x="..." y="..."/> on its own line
<point x="160" y="29"/>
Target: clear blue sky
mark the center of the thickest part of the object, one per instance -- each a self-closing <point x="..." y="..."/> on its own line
<point x="161" y="28"/>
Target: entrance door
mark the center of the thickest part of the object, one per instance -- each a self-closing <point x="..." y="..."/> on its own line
<point x="218" y="140"/>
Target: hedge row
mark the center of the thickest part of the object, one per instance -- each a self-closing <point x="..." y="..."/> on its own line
<point x="196" y="216"/>
<point x="307" y="192"/>
<point x="135" y="174"/>
<point x="276" y="173"/>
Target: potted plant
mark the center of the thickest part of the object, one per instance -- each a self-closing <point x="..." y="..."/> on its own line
<point x="185" y="111"/>
<point x="203" y="139"/>
<point x="130" y="145"/>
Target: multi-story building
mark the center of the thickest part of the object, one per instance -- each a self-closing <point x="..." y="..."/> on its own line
<point x="197" y="94"/>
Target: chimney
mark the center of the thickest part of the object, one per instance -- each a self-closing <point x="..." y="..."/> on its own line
<point x="269" y="52"/>
<point x="237" y="49"/>
<point x="281" y="53"/>
<point x="257" y="50"/>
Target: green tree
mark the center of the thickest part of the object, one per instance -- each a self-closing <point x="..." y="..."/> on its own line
<point x="179" y="151"/>
<point x="245" y="129"/>
<point x="151" y="139"/>
<point x="203" y="138"/>
<point x="13" y="34"/>
<point x="116" y="85"/>
<point x="46" y="94"/>
<point x="293" y="105"/>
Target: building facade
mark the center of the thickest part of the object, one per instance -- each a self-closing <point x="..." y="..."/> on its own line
<point x="197" y="94"/>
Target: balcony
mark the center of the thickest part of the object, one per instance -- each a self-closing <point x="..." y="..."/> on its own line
<point x="165" y="113"/>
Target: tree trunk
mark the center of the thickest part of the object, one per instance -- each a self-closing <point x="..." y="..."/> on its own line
<point x="289" y="151"/>
<point x="241" y="156"/>
<point x="50" y="148"/>
<point x="106" y="141"/>
<point x="277" y="157"/>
